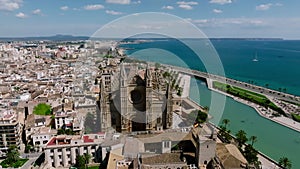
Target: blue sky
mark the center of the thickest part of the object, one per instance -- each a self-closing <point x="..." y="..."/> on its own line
<point x="216" y="18"/>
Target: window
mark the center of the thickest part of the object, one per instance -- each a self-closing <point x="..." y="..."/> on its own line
<point x="166" y="144"/>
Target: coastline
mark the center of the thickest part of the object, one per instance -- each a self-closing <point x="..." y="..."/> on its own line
<point x="266" y="161"/>
<point x="284" y="121"/>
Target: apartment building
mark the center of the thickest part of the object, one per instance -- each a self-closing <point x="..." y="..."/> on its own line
<point x="62" y="150"/>
<point x="10" y="130"/>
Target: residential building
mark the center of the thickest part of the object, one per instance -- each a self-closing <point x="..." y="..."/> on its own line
<point x="10" y="130"/>
<point x="62" y="150"/>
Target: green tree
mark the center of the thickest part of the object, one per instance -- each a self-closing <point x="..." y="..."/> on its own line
<point x="42" y="109"/>
<point x="28" y="148"/>
<point x="87" y="159"/>
<point x="241" y="137"/>
<point x="225" y="133"/>
<point x="253" y="139"/>
<point x="285" y="162"/>
<point x="80" y="162"/>
<point x="12" y="155"/>
<point x="69" y="132"/>
<point x="201" y="117"/>
<point x="225" y="122"/>
<point x="250" y="154"/>
<point x="61" y="132"/>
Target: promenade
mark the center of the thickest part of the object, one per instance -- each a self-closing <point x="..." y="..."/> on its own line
<point x="247" y="86"/>
<point x="266" y="113"/>
<point x="287" y="122"/>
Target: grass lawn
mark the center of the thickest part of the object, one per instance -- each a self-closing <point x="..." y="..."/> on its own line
<point x="296" y="117"/>
<point x="247" y="95"/>
<point x="93" y="167"/>
<point x="239" y="92"/>
<point x="42" y="109"/>
<point x="17" y="164"/>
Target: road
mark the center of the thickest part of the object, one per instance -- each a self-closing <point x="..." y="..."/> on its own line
<point x="243" y="85"/>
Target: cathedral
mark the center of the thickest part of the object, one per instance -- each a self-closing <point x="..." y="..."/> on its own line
<point x="134" y="97"/>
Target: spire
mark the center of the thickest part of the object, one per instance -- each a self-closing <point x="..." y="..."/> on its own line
<point x="148" y="77"/>
<point x="123" y="72"/>
<point x="123" y="76"/>
<point x="148" y="72"/>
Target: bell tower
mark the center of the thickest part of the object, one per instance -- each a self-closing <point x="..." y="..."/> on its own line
<point x="149" y="99"/>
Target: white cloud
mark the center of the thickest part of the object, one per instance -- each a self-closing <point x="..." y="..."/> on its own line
<point x="123" y="2"/>
<point x="168" y="7"/>
<point x="37" y="12"/>
<point x="21" y="15"/>
<point x="187" y="5"/>
<point x="64" y="8"/>
<point x="111" y="12"/>
<point x="93" y="7"/>
<point x="199" y="21"/>
<point x="221" y="2"/>
<point x="228" y="22"/>
<point x="217" y="11"/>
<point x="263" y="7"/>
<point x="10" y="5"/>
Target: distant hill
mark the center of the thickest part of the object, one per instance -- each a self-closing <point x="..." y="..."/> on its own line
<point x="47" y="38"/>
<point x="77" y="38"/>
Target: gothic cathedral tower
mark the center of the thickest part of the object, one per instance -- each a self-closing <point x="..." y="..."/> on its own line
<point x="149" y="101"/>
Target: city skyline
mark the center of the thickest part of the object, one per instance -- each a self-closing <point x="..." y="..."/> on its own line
<point x="216" y="18"/>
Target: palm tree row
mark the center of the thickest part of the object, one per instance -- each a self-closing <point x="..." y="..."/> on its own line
<point x="285" y="162"/>
<point x="248" y="151"/>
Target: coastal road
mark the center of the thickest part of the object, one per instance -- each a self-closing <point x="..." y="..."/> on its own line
<point x="243" y="85"/>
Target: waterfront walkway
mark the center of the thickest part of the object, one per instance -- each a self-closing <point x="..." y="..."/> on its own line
<point x="266" y="113"/>
<point x="287" y="122"/>
<point x="247" y="86"/>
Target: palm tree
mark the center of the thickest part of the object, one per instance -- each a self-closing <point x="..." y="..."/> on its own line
<point x="225" y="122"/>
<point x="285" y="162"/>
<point x="253" y="139"/>
<point x="241" y="137"/>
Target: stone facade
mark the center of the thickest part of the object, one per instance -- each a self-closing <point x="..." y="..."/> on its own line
<point x="133" y="98"/>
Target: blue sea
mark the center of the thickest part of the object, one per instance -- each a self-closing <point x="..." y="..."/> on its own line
<point x="277" y="66"/>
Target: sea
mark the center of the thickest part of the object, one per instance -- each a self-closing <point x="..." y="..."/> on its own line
<point x="277" y="66"/>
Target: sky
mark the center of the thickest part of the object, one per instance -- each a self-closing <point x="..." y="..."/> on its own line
<point x="215" y="18"/>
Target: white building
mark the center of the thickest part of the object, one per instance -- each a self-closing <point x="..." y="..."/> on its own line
<point x="68" y="119"/>
<point x="41" y="137"/>
<point x="61" y="151"/>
